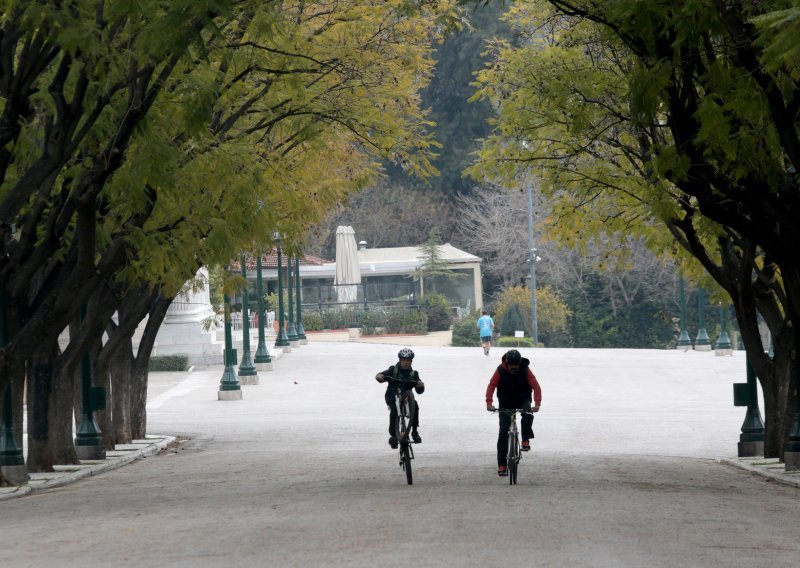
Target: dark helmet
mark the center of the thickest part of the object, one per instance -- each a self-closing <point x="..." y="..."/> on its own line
<point x="405" y="353"/>
<point x="513" y="357"/>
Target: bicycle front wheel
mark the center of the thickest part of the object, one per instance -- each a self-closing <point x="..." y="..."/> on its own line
<point x="513" y="459"/>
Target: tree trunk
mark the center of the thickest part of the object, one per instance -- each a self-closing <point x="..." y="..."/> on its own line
<point x="121" y="394"/>
<point x="141" y="363"/>
<point x="139" y="402"/>
<point x="18" y="402"/>
<point x="40" y="388"/>
<point x="101" y="377"/>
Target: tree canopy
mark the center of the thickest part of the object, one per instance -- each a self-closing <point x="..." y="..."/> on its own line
<point x="139" y="141"/>
<point x="675" y="121"/>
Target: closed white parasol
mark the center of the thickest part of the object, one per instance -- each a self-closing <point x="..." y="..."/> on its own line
<point x="348" y="274"/>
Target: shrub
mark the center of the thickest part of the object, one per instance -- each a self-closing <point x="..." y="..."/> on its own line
<point x="465" y="331"/>
<point x="338" y="318"/>
<point x="415" y="322"/>
<point x="312" y="321"/>
<point x="179" y="362"/>
<point x="513" y="320"/>
<point x="372" y="320"/>
<point x="515" y="342"/>
<point x="437" y="308"/>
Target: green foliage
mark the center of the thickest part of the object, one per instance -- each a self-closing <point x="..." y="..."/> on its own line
<point x="178" y="362"/>
<point x="552" y="313"/>
<point x="515" y="342"/>
<point x="512" y="320"/>
<point x="437" y="308"/>
<point x="432" y="266"/>
<point x="271" y="303"/>
<point x="312" y="321"/>
<point x="465" y="331"/>
<point x="340" y="318"/>
<point x="412" y="322"/>
<point x="373" y="321"/>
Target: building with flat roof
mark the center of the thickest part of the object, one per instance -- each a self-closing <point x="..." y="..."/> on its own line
<point x="387" y="275"/>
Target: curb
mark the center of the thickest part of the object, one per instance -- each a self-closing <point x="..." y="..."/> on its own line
<point x="770" y="468"/>
<point x="64" y="475"/>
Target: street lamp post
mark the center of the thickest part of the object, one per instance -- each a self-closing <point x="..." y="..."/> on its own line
<point x="702" y="342"/>
<point x="292" y="332"/>
<point x="751" y="440"/>
<point x="89" y="444"/>
<point x="281" y="340"/>
<point x="723" y="346"/>
<point x="262" y="359"/>
<point x="12" y="460"/>
<point x="791" y="456"/>
<point x="247" y="370"/>
<point x="684" y="343"/>
<point x="532" y="262"/>
<point x="229" y="388"/>
<point x="301" y="332"/>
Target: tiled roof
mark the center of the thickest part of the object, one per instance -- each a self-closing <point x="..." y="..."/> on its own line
<point x="269" y="260"/>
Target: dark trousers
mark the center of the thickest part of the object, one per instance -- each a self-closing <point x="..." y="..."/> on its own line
<point x="505" y="425"/>
<point x="393" y="411"/>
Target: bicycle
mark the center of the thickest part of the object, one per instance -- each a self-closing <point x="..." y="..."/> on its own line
<point x="513" y="454"/>
<point x="405" y="418"/>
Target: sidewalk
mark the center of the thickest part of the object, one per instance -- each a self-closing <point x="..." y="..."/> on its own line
<point x="65" y="474"/>
<point x="770" y="468"/>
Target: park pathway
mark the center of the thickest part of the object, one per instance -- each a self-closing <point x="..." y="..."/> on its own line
<point x="624" y="472"/>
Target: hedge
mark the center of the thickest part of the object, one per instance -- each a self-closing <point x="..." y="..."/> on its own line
<point x="179" y="362"/>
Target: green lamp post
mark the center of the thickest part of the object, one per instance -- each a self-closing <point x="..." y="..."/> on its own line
<point x="684" y="343"/>
<point x="723" y="346"/>
<point x="229" y="387"/>
<point x="791" y="454"/>
<point x="89" y="443"/>
<point x="292" y="332"/>
<point x="281" y="340"/>
<point x="247" y="370"/>
<point x="751" y="440"/>
<point x="702" y="342"/>
<point x="262" y="358"/>
<point x="12" y="460"/>
<point x="301" y="333"/>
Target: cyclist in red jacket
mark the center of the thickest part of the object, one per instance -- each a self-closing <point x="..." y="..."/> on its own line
<point x="514" y="383"/>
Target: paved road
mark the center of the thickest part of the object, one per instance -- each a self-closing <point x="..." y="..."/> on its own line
<point x="299" y="473"/>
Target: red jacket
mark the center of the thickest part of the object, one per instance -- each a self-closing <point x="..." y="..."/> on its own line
<point x="532" y="382"/>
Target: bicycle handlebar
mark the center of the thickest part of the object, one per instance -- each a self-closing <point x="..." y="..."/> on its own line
<point x="510" y="410"/>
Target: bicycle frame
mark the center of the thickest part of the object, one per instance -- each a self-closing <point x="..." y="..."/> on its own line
<point x="405" y="418"/>
<point x="513" y="454"/>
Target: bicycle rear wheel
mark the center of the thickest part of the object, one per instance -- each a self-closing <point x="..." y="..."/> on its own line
<point x="406" y="452"/>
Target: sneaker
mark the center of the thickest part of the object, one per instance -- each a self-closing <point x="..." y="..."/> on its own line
<point x="415" y="436"/>
<point x="502" y="471"/>
<point x="393" y="442"/>
<point x="526" y="446"/>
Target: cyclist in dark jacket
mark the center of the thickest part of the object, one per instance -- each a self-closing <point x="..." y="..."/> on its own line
<point x="515" y="383"/>
<point x="391" y="375"/>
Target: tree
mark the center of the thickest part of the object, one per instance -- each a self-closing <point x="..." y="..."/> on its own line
<point x="433" y="267"/>
<point x="552" y="314"/>
<point x="133" y="133"/>
<point x="673" y="120"/>
<point x="385" y="214"/>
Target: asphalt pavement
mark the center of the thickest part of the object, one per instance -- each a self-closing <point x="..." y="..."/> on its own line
<point x="634" y="449"/>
